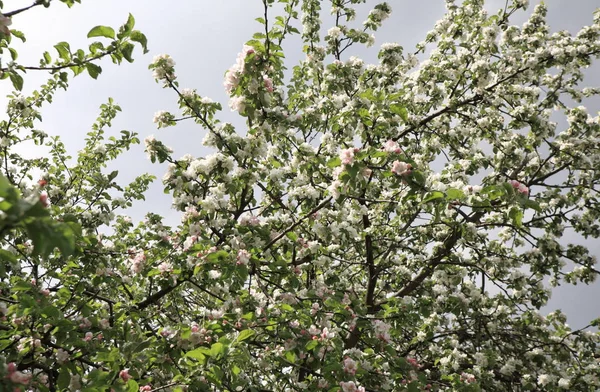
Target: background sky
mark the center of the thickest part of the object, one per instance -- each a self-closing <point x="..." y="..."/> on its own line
<point x="204" y="37"/>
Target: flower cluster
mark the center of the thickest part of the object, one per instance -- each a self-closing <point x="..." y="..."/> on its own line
<point x="163" y="69"/>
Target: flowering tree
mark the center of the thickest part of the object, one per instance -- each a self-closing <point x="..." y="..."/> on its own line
<point x="394" y="226"/>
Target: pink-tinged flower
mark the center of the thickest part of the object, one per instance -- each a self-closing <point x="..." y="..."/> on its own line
<point x="467" y="378"/>
<point x="61" y="356"/>
<point x="347" y="155"/>
<point x="350" y="386"/>
<point x="20" y="378"/>
<point x="350" y="366"/>
<point x="104" y="324"/>
<point x="137" y="262"/>
<point x="382" y="330"/>
<point x="315" y="308"/>
<point x="165" y="266"/>
<point x="11" y="367"/>
<point x="268" y="84"/>
<point x="16" y="376"/>
<point x="237" y="104"/>
<point x="44" y="199"/>
<point x="413" y="362"/>
<point x="124" y="374"/>
<point x="88" y="336"/>
<point x="326" y="334"/>
<point x="401" y="168"/>
<point x="4" y="23"/>
<point x="519" y="187"/>
<point x="392" y="146"/>
<point x="232" y="78"/>
<point x="243" y="257"/>
<point x="146" y="388"/>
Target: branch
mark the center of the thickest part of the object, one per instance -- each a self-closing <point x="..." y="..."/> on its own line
<point x="292" y="227"/>
<point x="151" y="300"/>
<point x="59" y="67"/>
<point x="15" y="12"/>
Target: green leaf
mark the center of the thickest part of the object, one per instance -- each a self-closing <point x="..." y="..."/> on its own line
<point x="51" y="312"/>
<point x="334" y="162"/>
<point x="494" y="192"/>
<point x="126" y="29"/>
<point x="430" y="196"/>
<point x="127" y="51"/>
<point x="17" y="80"/>
<point x="199" y="353"/>
<point x="94" y="70"/>
<point x="311" y="345"/>
<point x="400" y="111"/>
<point x="64" y="378"/>
<point x="6" y="256"/>
<point x="18" y="34"/>
<point x="140" y="38"/>
<point x="102" y="31"/>
<point x="217" y="350"/>
<point x="454" y="194"/>
<point x="64" y="50"/>
<point x="13" y="54"/>
<point x="517" y="216"/>
<point x="528" y="203"/>
<point x="290" y="356"/>
<point x="132" y="386"/>
<point x="217" y="255"/>
<point x="245" y="334"/>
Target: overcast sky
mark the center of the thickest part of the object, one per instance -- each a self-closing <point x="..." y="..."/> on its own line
<point x="204" y="37"/>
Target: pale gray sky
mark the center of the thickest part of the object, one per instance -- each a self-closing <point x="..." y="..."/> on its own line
<point x="204" y="37"/>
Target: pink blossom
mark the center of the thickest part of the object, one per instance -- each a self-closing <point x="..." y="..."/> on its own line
<point x="124" y="374"/>
<point x="88" y="336"/>
<point x="347" y="156"/>
<point x="382" y="330"/>
<point x="268" y="84"/>
<point x="16" y="376"/>
<point x="165" y="266"/>
<point x="519" y="187"/>
<point x="137" y="263"/>
<point x="232" y="78"/>
<point x="413" y="362"/>
<point x="237" y="104"/>
<point x="104" y="323"/>
<point x="401" y="168"/>
<point x="61" y="356"/>
<point x="243" y="257"/>
<point x="392" y="146"/>
<point x="4" y="23"/>
<point x="350" y="386"/>
<point x="44" y="199"/>
<point x="146" y="388"/>
<point x="20" y="378"/>
<point x="326" y="334"/>
<point x="350" y="366"/>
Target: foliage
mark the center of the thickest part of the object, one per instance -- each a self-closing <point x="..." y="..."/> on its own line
<point x="394" y="226"/>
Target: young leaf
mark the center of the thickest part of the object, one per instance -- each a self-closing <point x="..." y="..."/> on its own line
<point x="102" y="31"/>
